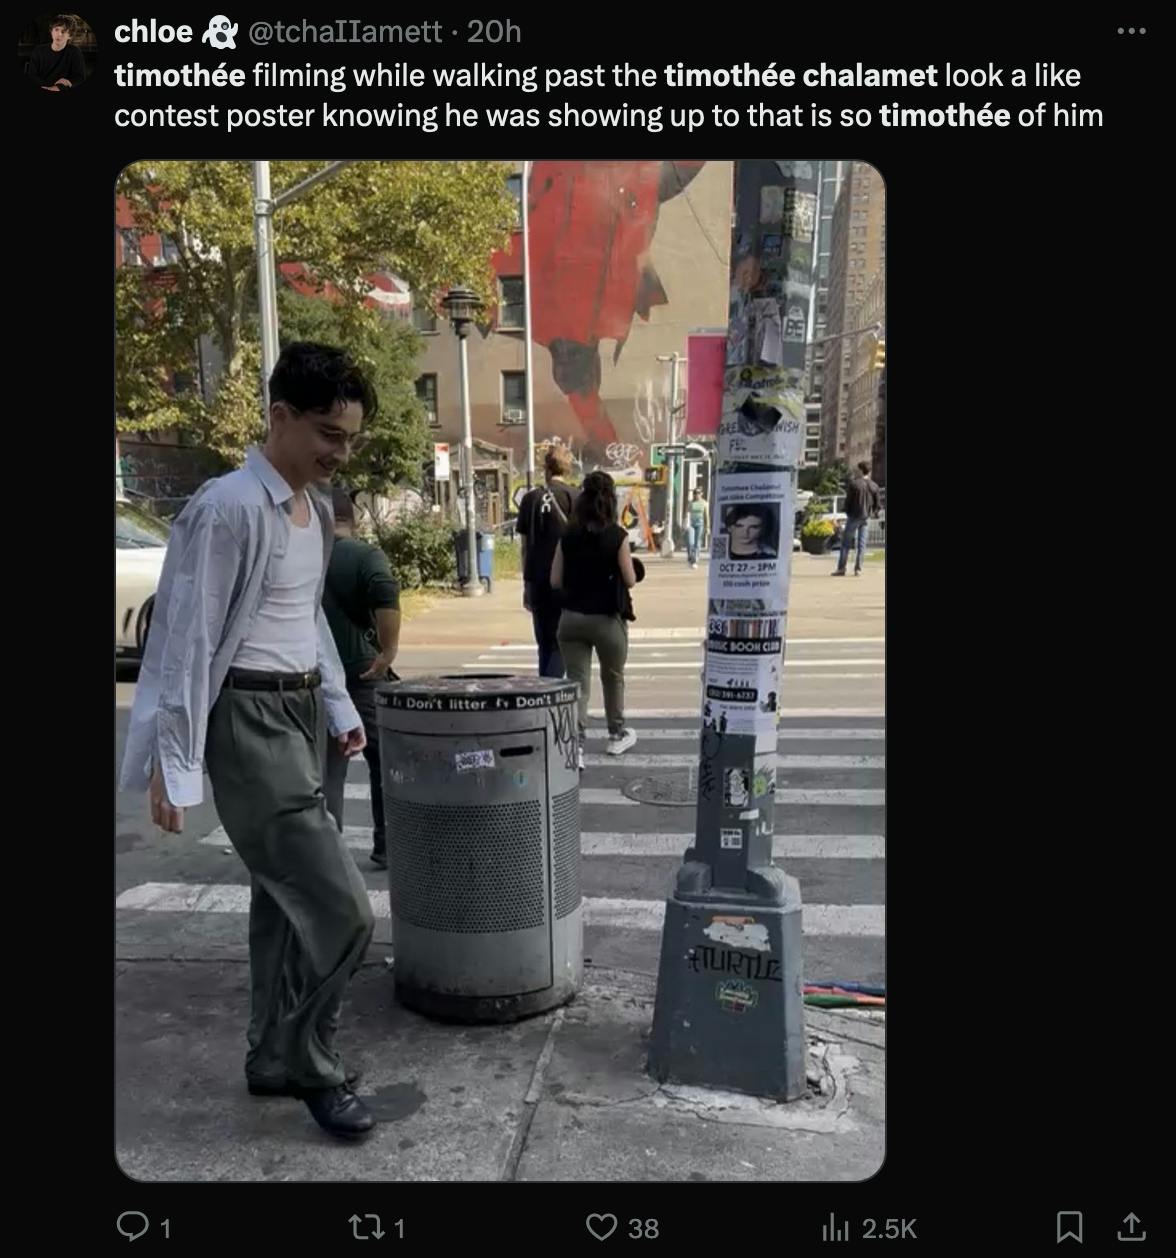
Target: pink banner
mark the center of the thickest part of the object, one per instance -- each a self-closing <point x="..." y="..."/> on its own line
<point x="706" y="354"/>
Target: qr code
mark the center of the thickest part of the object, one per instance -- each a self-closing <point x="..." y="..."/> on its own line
<point x="718" y="547"/>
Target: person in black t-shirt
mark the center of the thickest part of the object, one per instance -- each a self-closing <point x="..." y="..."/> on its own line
<point x="543" y="517"/>
<point x="57" y="66"/>
<point x="593" y="567"/>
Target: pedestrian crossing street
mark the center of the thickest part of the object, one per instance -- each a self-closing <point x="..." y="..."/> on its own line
<point x="829" y="835"/>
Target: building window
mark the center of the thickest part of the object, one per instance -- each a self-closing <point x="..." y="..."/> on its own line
<point x="510" y="301"/>
<point x="514" y="397"/>
<point x="171" y="251"/>
<point x="131" y="253"/>
<point x="426" y="390"/>
<point x="514" y="185"/>
<point x="424" y="319"/>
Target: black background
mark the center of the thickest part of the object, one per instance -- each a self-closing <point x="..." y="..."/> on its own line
<point x="1026" y="386"/>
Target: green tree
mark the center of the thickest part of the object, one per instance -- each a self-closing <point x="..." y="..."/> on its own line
<point x="395" y="441"/>
<point x="832" y="480"/>
<point x="433" y="224"/>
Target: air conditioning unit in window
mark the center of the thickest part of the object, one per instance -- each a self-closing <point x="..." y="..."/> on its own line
<point x="514" y="415"/>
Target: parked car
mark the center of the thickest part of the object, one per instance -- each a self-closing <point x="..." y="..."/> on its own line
<point x="140" y="543"/>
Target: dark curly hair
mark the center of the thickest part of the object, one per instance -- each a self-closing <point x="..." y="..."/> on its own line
<point x="596" y="506"/>
<point x="313" y="377"/>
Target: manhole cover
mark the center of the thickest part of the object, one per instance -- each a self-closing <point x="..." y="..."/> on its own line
<point x="680" y="789"/>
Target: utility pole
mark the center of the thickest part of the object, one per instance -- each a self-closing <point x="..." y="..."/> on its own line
<point x="667" y="546"/>
<point x="529" y="360"/>
<point x="264" y="205"/>
<point x="729" y="1011"/>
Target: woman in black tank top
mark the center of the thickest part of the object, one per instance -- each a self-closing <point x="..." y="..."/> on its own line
<point x="593" y="568"/>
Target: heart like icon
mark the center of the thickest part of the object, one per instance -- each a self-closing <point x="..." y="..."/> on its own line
<point x="602" y="1226"/>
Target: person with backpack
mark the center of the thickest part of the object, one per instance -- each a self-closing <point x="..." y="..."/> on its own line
<point x="594" y="570"/>
<point x="361" y="600"/>
<point x="543" y="518"/>
<point x="861" y="502"/>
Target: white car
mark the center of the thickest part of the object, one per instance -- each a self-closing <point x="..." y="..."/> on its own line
<point x="140" y="543"/>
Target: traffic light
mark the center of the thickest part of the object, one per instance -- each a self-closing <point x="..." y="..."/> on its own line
<point x="655" y="475"/>
<point x="879" y="359"/>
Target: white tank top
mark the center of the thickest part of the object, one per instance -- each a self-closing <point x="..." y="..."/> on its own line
<point x="283" y="637"/>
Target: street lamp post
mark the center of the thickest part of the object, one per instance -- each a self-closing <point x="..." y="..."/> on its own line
<point x="667" y="546"/>
<point x="264" y="205"/>
<point x="462" y="305"/>
<point x="528" y="353"/>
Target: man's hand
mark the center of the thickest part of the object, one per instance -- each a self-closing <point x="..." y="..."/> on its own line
<point x="63" y="83"/>
<point x="353" y="742"/>
<point x="379" y="669"/>
<point x="164" y="813"/>
<point x="527" y="596"/>
<point x="50" y="89"/>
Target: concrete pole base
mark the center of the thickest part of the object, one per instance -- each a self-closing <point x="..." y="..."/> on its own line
<point x="730" y="1001"/>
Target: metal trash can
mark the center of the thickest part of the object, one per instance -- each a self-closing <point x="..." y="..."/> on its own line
<point x="485" y="547"/>
<point x="482" y="815"/>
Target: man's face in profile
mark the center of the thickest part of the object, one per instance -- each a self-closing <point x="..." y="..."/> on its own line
<point x="60" y="37"/>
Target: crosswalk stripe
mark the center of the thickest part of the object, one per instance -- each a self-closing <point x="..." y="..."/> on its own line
<point x="635" y="843"/>
<point x="681" y="644"/>
<point x="785" y="733"/>
<point x="608" y="797"/>
<point x="670" y="714"/>
<point x="639" y="664"/>
<point x="817" y="919"/>
<point x="784" y="846"/>
<point x="640" y="761"/>
<point x="695" y="632"/>
<point x="599" y="912"/>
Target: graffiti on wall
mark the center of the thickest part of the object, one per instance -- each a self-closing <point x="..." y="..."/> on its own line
<point x="592" y="224"/>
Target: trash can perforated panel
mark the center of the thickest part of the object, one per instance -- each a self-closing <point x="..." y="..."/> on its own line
<point x="481" y="871"/>
<point x="565" y="811"/>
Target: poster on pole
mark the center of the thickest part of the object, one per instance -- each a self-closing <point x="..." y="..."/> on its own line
<point x="441" y="460"/>
<point x="751" y="547"/>
<point x="741" y="687"/>
<point x="763" y="417"/>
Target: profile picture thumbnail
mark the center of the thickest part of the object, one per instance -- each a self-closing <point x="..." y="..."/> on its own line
<point x="57" y="53"/>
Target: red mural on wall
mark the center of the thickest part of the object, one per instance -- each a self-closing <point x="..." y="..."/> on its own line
<point x="592" y="224"/>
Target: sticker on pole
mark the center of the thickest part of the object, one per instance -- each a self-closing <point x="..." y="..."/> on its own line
<point x="731" y="839"/>
<point x="468" y="761"/>
<point x="736" y="996"/>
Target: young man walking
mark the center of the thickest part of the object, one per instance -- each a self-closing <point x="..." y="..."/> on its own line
<point x="241" y="679"/>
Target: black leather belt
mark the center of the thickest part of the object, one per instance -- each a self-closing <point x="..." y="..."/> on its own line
<point x="246" y="679"/>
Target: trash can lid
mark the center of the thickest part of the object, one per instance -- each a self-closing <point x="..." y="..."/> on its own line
<point x="476" y="692"/>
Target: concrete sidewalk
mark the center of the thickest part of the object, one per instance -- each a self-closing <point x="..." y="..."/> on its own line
<point x="558" y="1097"/>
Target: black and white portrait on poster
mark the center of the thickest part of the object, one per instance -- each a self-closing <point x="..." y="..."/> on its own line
<point x="747" y="558"/>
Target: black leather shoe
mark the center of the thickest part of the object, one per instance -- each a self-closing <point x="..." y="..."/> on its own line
<point x="258" y="1087"/>
<point x="338" y="1110"/>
